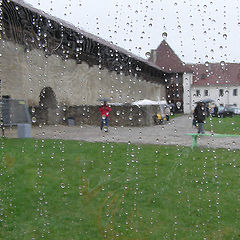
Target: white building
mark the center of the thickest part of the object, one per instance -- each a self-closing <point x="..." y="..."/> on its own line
<point x="190" y="83"/>
<point x="217" y="81"/>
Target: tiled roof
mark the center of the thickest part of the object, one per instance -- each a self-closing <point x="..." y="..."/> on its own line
<point x="213" y="74"/>
<point x="167" y="59"/>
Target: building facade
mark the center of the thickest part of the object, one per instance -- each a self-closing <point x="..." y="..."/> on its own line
<point x="180" y="76"/>
<point x="219" y="82"/>
<point x="190" y="83"/>
<point x="43" y="57"/>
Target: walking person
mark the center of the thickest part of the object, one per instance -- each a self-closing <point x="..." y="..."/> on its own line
<point x="200" y="115"/>
<point x="104" y="110"/>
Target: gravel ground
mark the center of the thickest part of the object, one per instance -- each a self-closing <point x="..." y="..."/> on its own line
<point x="172" y="133"/>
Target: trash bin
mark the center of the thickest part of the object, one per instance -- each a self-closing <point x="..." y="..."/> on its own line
<point x="24" y="130"/>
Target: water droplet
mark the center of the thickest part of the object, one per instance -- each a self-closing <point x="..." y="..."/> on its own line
<point x="222" y="63"/>
<point x="34" y="119"/>
<point x="225" y="36"/>
<point x="147" y="54"/>
<point x="164" y="35"/>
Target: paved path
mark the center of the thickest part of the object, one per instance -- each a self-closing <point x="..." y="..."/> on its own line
<point x="173" y="133"/>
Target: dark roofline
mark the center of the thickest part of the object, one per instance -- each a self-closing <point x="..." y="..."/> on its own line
<point x="86" y="34"/>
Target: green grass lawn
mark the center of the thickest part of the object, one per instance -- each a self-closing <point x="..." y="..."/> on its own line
<point x="52" y="189"/>
<point x="227" y="125"/>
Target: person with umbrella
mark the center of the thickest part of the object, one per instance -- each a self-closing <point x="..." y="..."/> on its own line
<point x="199" y="115"/>
<point x="104" y="110"/>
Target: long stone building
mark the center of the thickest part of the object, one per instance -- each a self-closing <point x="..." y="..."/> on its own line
<point x="47" y="61"/>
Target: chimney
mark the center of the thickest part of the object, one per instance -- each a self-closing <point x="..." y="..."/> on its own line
<point x="153" y="56"/>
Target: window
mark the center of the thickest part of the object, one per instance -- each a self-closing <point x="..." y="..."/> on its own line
<point x="221" y="92"/>
<point x="235" y="92"/>
<point x="206" y="92"/>
<point x="198" y="93"/>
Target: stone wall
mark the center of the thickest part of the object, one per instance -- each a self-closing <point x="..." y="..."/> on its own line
<point x="119" y="116"/>
<point x="25" y="73"/>
<point x="126" y="115"/>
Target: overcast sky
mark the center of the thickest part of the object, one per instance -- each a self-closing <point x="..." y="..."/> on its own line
<point x="198" y="31"/>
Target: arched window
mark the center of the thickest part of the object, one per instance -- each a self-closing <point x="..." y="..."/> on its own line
<point x="47" y="98"/>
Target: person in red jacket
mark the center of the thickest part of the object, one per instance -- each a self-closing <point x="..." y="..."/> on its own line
<point x="104" y="110"/>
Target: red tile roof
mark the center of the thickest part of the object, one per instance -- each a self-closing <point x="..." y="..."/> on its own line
<point x="167" y="59"/>
<point x="213" y="74"/>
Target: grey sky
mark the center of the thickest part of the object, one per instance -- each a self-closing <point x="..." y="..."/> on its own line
<point x="198" y="31"/>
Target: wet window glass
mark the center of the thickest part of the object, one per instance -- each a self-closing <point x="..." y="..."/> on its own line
<point x="119" y="119"/>
<point x="221" y="92"/>
<point x="198" y="93"/>
<point x="235" y="92"/>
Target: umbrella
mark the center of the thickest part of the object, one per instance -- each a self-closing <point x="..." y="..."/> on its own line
<point x="206" y="100"/>
<point x="145" y="102"/>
